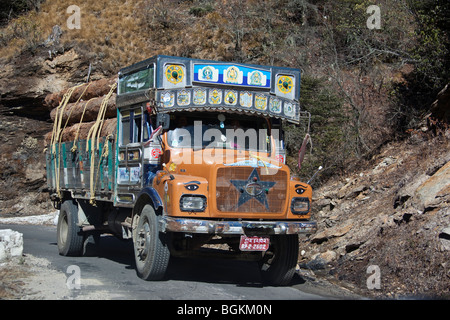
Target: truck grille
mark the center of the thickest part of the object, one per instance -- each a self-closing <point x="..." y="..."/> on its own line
<point x="247" y="189"/>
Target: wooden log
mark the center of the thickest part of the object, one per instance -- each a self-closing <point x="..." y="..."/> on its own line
<point x="69" y="133"/>
<point x="96" y="88"/>
<point x="75" y="110"/>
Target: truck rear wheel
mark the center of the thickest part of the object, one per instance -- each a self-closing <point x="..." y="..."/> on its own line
<point x="279" y="262"/>
<point x="69" y="236"/>
<point x="150" y="248"/>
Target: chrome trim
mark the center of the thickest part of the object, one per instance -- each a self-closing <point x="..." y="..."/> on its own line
<point x="233" y="227"/>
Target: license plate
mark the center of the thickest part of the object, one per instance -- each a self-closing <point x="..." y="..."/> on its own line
<point x="254" y="243"/>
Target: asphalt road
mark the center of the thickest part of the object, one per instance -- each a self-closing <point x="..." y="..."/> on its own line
<point x="111" y="274"/>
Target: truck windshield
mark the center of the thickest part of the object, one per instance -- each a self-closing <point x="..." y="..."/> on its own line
<point x="219" y="130"/>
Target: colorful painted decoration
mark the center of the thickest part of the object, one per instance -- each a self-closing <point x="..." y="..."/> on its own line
<point x="233" y="75"/>
<point x="215" y="96"/>
<point x="254" y="188"/>
<point x="230" y="97"/>
<point x="208" y="73"/>
<point x="256" y="78"/>
<point x="260" y="102"/>
<point x="168" y="99"/>
<point x="226" y="74"/>
<point x="183" y="98"/>
<point x="174" y="73"/>
<point x="289" y="109"/>
<point x="285" y="84"/>
<point x="280" y="158"/>
<point x="275" y="105"/>
<point x="199" y="96"/>
<point x="246" y="99"/>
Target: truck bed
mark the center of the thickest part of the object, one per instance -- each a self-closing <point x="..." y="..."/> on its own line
<point x="82" y="172"/>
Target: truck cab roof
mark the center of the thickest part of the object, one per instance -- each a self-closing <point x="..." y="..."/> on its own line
<point x="187" y="84"/>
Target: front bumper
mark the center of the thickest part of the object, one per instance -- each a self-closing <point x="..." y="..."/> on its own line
<point x="233" y="227"/>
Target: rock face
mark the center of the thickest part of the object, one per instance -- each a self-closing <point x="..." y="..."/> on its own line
<point x="11" y="244"/>
<point x="31" y="76"/>
<point x="435" y="191"/>
<point x="22" y="165"/>
<point x="394" y="214"/>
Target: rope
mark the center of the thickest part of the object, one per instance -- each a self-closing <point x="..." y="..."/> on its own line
<point x="74" y="146"/>
<point x="56" y="134"/>
<point x="263" y="160"/>
<point x="100" y="117"/>
<point x="70" y="113"/>
<point x="105" y="153"/>
<point x="94" y="134"/>
<point x="105" y="107"/>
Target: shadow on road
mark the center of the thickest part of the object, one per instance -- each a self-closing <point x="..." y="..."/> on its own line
<point x="209" y="270"/>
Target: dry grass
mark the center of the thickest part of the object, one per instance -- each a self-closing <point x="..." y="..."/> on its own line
<point x="109" y="29"/>
<point x="121" y="32"/>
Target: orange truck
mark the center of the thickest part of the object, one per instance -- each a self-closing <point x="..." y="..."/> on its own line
<point x="196" y="167"/>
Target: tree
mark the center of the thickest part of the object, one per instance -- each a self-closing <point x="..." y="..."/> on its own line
<point x="431" y="52"/>
<point x="327" y="129"/>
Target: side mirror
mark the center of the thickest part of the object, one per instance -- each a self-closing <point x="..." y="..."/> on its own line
<point x="302" y="151"/>
<point x="163" y="120"/>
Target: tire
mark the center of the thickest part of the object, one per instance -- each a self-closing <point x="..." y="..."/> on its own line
<point x="150" y="248"/>
<point x="279" y="262"/>
<point x="69" y="236"/>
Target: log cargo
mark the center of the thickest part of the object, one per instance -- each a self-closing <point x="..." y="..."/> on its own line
<point x="94" y="89"/>
<point x="69" y="133"/>
<point x="82" y="110"/>
<point x="74" y="111"/>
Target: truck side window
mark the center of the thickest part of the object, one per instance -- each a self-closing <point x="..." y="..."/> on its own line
<point x="146" y="128"/>
<point x="125" y="128"/>
<point x="137" y="125"/>
<point x="131" y="125"/>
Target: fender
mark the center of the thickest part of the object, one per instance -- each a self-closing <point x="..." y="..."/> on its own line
<point x="148" y="194"/>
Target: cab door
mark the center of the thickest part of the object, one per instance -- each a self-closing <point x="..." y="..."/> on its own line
<point x="131" y="135"/>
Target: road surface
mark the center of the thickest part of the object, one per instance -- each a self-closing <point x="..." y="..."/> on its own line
<point x="110" y="275"/>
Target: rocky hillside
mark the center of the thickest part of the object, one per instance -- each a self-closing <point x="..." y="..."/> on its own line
<point x="379" y="127"/>
<point x="392" y="212"/>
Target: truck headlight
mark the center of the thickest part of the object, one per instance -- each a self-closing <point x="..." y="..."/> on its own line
<point x="300" y="205"/>
<point x="189" y="202"/>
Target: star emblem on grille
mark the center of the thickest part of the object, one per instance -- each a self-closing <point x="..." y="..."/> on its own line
<point x="253" y="187"/>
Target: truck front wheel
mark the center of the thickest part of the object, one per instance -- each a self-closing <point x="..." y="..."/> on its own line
<point x="69" y="236"/>
<point x="279" y="262"/>
<point x="150" y="248"/>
